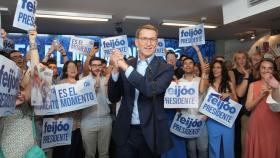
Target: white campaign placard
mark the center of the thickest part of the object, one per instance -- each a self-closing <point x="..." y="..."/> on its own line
<point x="222" y="111"/>
<point x="160" y="51"/>
<point x="186" y="125"/>
<point x="25" y="14"/>
<point x="48" y="109"/>
<point x="71" y="97"/>
<point x="117" y="42"/>
<point x="80" y="45"/>
<point x="56" y="132"/>
<point x="181" y="95"/>
<point x="9" y="85"/>
<point x="41" y="82"/>
<point x="190" y="35"/>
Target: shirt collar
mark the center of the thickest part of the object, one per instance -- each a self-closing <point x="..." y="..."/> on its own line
<point x="147" y="60"/>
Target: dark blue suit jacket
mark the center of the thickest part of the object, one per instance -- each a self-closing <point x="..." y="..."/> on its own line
<point x="158" y="74"/>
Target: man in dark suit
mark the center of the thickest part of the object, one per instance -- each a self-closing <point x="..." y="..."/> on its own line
<point x="140" y="129"/>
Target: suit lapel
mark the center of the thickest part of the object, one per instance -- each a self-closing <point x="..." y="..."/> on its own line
<point x="152" y="68"/>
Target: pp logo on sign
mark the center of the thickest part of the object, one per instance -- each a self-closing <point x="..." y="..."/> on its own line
<point x="86" y="84"/>
<point x="160" y="44"/>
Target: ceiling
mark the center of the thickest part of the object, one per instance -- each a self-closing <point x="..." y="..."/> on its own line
<point x="189" y="10"/>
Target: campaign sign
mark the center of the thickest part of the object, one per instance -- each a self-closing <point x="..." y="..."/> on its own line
<point x="76" y="96"/>
<point x="80" y="45"/>
<point x="117" y="42"/>
<point x="181" y="95"/>
<point x="8" y="44"/>
<point x="25" y="14"/>
<point x="9" y="85"/>
<point x="160" y="50"/>
<point x="41" y="82"/>
<point x="223" y="111"/>
<point x="186" y="125"/>
<point x="48" y="109"/>
<point x="56" y="132"/>
<point x="191" y="35"/>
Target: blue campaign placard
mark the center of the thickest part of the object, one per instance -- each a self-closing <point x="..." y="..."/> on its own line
<point x="222" y="111"/>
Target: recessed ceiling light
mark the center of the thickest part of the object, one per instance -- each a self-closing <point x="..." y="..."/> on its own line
<point x="72" y="16"/>
<point x="185" y="24"/>
<point x="137" y="17"/>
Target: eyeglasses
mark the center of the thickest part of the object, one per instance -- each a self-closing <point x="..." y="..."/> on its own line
<point x="96" y="66"/>
<point x="146" y="40"/>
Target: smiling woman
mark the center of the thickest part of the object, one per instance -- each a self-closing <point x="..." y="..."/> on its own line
<point x="75" y="149"/>
<point x="263" y="125"/>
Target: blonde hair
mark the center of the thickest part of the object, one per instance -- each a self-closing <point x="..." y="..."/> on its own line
<point x="246" y="56"/>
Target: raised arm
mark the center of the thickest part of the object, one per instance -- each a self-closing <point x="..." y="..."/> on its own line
<point x="86" y="63"/>
<point x="48" y="55"/>
<point x="204" y="82"/>
<point x="200" y="57"/>
<point x="62" y="51"/>
<point x="242" y="87"/>
<point x="34" y="55"/>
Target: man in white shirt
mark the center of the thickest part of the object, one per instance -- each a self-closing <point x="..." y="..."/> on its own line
<point x="96" y="124"/>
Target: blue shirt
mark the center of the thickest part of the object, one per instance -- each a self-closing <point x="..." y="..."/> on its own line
<point x="141" y="68"/>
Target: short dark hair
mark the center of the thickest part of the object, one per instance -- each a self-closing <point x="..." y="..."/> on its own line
<point x="64" y="70"/>
<point x="182" y="56"/>
<point x="103" y="61"/>
<point x="188" y="58"/>
<point x="51" y="61"/>
<point x="13" y="51"/>
<point x="77" y="61"/>
<point x="94" y="58"/>
<point x="170" y="52"/>
<point x="2" y="52"/>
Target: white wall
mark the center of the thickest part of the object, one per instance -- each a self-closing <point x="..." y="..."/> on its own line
<point x="231" y="14"/>
<point x="226" y="48"/>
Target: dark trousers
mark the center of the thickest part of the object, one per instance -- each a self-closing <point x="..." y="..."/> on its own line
<point x="237" y="137"/>
<point x="75" y="150"/>
<point x="136" y="146"/>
